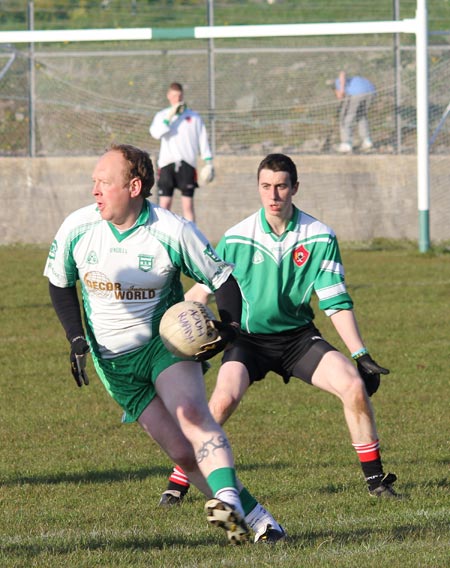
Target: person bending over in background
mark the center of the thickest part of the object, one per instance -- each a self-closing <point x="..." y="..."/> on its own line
<point x="281" y="255"/>
<point x="183" y="137"/>
<point x="356" y="94"/>
<point x="128" y="255"/>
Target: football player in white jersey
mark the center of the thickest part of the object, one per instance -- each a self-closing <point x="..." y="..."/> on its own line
<point x="128" y="255"/>
<point x="281" y="255"/>
<point x="183" y="137"/>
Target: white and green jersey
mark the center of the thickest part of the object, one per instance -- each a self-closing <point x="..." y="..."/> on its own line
<point x="277" y="275"/>
<point x="129" y="279"/>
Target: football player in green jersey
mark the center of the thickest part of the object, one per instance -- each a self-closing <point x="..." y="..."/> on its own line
<point x="281" y="256"/>
<point x="128" y="255"/>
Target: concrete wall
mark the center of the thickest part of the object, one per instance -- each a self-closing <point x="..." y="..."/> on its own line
<point x="361" y="197"/>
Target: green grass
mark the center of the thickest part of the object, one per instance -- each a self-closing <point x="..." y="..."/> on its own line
<point x="59" y="14"/>
<point x="78" y="488"/>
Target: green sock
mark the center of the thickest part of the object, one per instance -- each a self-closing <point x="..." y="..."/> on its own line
<point x="247" y="500"/>
<point x="220" y="478"/>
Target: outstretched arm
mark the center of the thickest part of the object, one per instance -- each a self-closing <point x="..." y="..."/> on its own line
<point x="229" y="301"/>
<point x="345" y="323"/>
<point x="229" y="304"/>
<point x="198" y="293"/>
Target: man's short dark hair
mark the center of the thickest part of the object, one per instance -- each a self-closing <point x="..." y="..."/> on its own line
<point x="176" y="87"/>
<point x="140" y="165"/>
<point x="279" y="163"/>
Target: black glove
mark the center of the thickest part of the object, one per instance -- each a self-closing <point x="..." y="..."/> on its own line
<point x="79" y="349"/>
<point x="370" y="373"/>
<point x="228" y="332"/>
<point x="180" y="108"/>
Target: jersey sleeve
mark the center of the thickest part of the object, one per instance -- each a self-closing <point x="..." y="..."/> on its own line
<point x="200" y="261"/>
<point x="60" y="268"/>
<point x="330" y="284"/>
<point x="159" y="126"/>
<point x="205" y="150"/>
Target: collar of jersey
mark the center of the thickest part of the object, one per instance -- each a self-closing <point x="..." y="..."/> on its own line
<point x="291" y="225"/>
<point x="144" y="216"/>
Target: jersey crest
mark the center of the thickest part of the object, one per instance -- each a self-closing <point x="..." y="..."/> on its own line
<point x="258" y="257"/>
<point x="300" y="255"/>
<point x="92" y="258"/>
<point x="145" y="262"/>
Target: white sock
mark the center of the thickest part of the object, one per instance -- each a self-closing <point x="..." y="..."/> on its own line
<point x="259" y="518"/>
<point x="230" y="495"/>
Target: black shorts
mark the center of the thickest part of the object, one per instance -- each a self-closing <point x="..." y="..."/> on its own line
<point x="182" y="176"/>
<point x="295" y="353"/>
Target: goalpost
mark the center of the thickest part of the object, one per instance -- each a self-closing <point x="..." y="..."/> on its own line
<point x="416" y="26"/>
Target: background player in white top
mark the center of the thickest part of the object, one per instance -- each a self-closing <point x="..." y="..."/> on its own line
<point x="183" y="137"/>
<point x="128" y="254"/>
<point x="281" y="255"/>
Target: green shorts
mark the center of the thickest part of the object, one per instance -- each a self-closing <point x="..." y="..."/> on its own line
<point x="130" y="379"/>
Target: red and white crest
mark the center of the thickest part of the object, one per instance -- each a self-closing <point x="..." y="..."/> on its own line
<point x="300" y="255"/>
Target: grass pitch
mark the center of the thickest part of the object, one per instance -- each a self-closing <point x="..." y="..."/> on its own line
<point x="78" y="488"/>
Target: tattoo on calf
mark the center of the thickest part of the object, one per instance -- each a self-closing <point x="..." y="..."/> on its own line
<point x="210" y="446"/>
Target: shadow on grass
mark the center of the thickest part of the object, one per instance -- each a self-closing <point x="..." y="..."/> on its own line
<point x="404" y="489"/>
<point x="366" y="536"/>
<point x="41" y="546"/>
<point x="114" y="475"/>
<point x="308" y="539"/>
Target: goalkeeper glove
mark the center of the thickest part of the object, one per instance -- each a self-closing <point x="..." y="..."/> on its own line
<point x="176" y="109"/>
<point x="181" y="108"/>
<point x="207" y="173"/>
<point x="370" y="373"/>
<point x="228" y="332"/>
<point x="79" y="349"/>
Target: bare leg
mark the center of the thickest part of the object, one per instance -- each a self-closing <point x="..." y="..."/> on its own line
<point x="179" y="419"/>
<point x="181" y="388"/>
<point x="172" y="441"/>
<point x="337" y="375"/>
<point x="187" y="205"/>
<point x="231" y="385"/>
<point x="165" y="202"/>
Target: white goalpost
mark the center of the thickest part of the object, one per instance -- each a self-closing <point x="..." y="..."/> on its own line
<point x="416" y="26"/>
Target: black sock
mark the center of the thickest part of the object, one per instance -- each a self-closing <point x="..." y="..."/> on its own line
<point x="183" y="489"/>
<point x="373" y="473"/>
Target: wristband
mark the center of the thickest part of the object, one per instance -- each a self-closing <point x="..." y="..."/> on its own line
<point x="360" y="353"/>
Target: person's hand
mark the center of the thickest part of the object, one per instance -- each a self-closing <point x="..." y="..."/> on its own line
<point x="181" y="108"/>
<point x="370" y="373"/>
<point x="79" y="349"/>
<point x="228" y="332"/>
<point x="175" y="110"/>
<point x="172" y="112"/>
<point x="207" y="172"/>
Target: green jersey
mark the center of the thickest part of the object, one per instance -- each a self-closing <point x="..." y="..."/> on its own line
<point x="278" y="274"/>
<point x="130" y="278"/>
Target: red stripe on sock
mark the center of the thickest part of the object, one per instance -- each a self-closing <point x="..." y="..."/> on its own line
<point x="178" y="476"/>
<point x="368" y="452"/>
